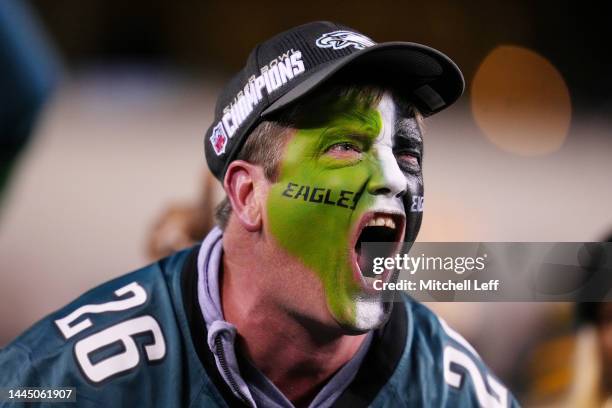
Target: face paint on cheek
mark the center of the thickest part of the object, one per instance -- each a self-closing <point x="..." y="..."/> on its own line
<point x="312" y="211"/>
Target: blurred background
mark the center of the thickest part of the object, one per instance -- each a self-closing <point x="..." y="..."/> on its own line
<point x="104" y="106"/>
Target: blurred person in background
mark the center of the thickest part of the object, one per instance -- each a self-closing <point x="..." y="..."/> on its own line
<point x="568" y="359"/>
<point x="272" y="309"/>
<point x="29" y="71"/>
<point x="183" y="224"/>
<point x="592" y="385"/>
<point x="592" y="380"/>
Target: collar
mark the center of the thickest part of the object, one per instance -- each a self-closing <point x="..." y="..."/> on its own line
<point x="221" y="334"/>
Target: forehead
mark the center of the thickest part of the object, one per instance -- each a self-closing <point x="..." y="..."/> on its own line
<point x="329" y="102"/>
<point x="362" y="112"/>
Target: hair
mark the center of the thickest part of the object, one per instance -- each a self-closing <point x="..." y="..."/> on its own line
<point x="265" y="144"/>
<point x="262" y="148"/>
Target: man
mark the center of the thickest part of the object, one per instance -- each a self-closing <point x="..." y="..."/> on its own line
<point x="318" y="144"/>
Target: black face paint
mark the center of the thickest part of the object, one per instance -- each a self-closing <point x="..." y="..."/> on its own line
<point x="408" y="139"/>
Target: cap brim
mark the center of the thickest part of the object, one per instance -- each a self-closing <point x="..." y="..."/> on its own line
<point x="424" y="75"/>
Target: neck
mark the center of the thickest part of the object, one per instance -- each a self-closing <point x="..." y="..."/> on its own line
<point x="298" y="350"/>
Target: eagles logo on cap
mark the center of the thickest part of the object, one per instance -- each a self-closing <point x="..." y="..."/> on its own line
<point x="342" y="38"/>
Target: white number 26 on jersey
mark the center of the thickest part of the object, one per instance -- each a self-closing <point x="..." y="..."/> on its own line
<point x="121" y="333"/>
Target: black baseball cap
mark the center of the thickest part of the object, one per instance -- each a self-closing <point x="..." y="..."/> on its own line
<point x="292" y="64"/>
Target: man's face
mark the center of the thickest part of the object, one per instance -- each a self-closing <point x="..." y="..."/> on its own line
<point x="354" y="176"/>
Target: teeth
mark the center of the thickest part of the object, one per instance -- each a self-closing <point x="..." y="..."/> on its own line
<point x="381" y="221"/>
<point x="389" y="223"/>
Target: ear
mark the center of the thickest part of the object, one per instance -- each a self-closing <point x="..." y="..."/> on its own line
<point x="242" y="184"/>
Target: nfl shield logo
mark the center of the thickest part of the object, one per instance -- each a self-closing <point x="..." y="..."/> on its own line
<point x="218" y="139"/>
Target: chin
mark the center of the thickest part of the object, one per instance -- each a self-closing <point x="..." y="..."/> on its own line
<point x="370" y="314"/>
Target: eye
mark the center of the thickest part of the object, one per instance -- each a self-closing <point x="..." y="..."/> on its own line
<point x="344" y="150"/>
<point x="408" y="159"/>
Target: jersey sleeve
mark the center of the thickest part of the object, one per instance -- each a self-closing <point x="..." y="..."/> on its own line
<point x="117" y="345"/>
<point x="38" y="358"/>
<point x="16" y="368"/>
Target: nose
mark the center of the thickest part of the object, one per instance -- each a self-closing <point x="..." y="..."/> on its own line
<point x="388" y="180"/>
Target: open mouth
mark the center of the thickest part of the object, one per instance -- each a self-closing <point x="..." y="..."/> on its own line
<point x="380" y="235"/>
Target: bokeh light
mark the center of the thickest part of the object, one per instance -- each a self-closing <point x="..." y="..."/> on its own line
<point x="520" y="101"/>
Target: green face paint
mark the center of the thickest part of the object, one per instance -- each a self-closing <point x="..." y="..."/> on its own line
<point x="329" y="179"/>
